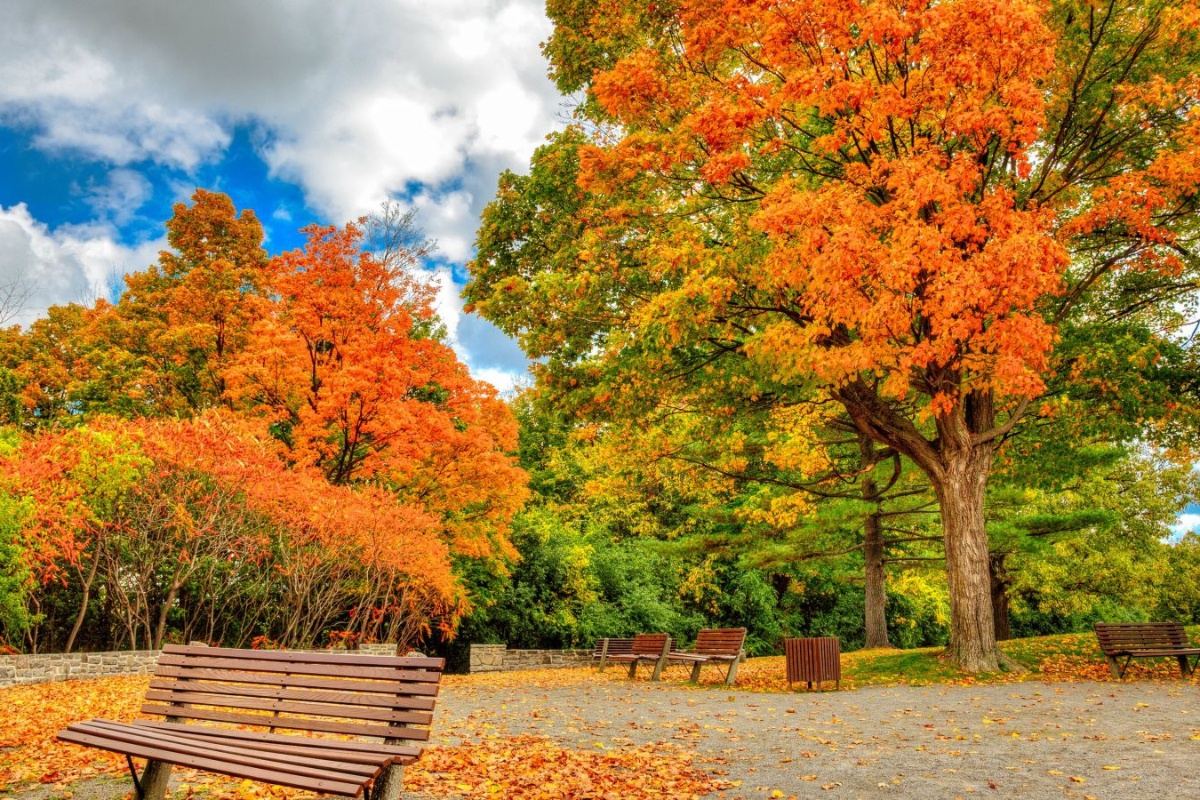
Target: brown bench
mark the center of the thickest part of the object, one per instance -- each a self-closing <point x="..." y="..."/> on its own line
<point x="714" y="646"/>
<point x="316" y="693"/>
<point x="646" y="647"/>
<point x="1130" y="640"/>
<point x="611" y="647"/>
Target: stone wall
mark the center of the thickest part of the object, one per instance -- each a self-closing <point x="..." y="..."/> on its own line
<point x="498" y="658"/>
<point x="50" y="667"/>
<point x="487" y="657"/>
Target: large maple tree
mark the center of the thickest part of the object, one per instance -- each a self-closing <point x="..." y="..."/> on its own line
<point x="891" y="205"/>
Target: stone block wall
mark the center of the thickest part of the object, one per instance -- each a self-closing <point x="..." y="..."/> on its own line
<point x="487" y="658"/>
<point x="49" y="667"/>
<point x="498" y="658"/>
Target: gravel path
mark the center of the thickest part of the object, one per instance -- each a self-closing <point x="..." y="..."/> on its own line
<point x="1019" y="740"/>
<point x="1027" y="740"/>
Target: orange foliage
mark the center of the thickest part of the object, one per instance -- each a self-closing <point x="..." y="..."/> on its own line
<point x="517" y="767"/>
<point x="343" y="362"/>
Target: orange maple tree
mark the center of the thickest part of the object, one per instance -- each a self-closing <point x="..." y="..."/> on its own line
<point x="186" y="317"/>
<point x="144" y="508"/>
<point x="345" y="365"/>
<point x="889" y="205"/>
<point x="354" y="456"/>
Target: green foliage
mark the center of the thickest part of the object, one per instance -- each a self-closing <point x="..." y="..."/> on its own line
<point x="1179" y="592"/>
<point x="14" y="574"/>
<point x="574" y="584"/>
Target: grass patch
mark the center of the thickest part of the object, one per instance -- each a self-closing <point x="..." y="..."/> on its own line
<point x="1059" y="658"/>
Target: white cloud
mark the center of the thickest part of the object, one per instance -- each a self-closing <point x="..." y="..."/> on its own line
<point x="356" y="102"/>
<point x="119" y="200"/>
<point x="1187" y="523"/>
<point x="66" y="265"/>
<point x="362" y="100"/>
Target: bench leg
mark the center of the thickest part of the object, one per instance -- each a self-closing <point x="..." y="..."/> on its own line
<point x="389" y="784"/>
<point x="1185" y="668"/>
<point x="696" y="672"/>
<point x="603" y="656"/>
<point x="731" y="675"/>
<point x="658" y="668"/>
<point x="154" y="780"/>
<point x="1113" y="667"/>
<point x="633" y="667"/>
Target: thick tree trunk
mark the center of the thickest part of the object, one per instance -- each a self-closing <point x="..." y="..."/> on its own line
<point x="1000" y="598"/>
<point x="960" y="493"/>
<point x="876" y="583"/>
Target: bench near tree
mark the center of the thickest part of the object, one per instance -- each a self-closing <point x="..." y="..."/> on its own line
<point x="314" y="693"/>
<point x="713" y="646"/>
<point x="1130" y="640"/>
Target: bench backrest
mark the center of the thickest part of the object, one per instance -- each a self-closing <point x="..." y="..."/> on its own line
<point x="648" y="644"/>
<point x="1116" y="637"/>
<point x="615" y="647"/>
<point x="720" y="641"/>
<point x="337" y="693"/>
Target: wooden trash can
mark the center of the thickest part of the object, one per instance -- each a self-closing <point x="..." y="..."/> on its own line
<point x="813" y="660"/>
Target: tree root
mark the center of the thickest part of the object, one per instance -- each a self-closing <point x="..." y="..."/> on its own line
<point x="1010" y="664"/>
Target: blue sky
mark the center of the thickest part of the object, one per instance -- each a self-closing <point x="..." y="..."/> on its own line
<point x="304" y="111"/>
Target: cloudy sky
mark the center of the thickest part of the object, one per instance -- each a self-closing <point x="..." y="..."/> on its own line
<point x="301" y="110"/>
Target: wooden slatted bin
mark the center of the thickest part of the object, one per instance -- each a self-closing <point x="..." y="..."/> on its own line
<point x="813" y="660"/>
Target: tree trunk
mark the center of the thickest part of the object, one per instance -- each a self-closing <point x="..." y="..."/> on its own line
<point x="960" y="493"/>
<point x="875" y="598"/>
<point x="160" y="626"/>
<point x="83" y="603"/>
<point x="876" y="584"/>
<point x="1000" y="598"/>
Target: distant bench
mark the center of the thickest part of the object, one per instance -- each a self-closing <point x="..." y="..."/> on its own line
<point x="611" y="647"/>
<point x="714" y="646"/>
<point x="651" y="647"/>
<point x="1130" y="640"/>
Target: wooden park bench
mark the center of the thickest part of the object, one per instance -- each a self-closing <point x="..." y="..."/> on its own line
<point x="1130" y="640"/>
<point x="714" y="646"/>
<point x="646" y="647"/>
<point x="315" y="693"/>
<point x="611" y="647"/>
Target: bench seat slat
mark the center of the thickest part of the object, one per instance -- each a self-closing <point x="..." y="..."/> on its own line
<point x="302" y="695"/>
<point x="309" y="765"/>
<point x="299" y="657"/>
<point x="310" y="749"/>
<point x="212" y="763"/>
<point x="701" y="657"/>
<point x="397" y="751"/>
<point x="291" y="707"/>
<point x="299" y="681"/>
<point x="290" y="668"/>
<point x="290" y="723"/>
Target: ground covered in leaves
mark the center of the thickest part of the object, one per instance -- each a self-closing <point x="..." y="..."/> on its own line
<point x="905" y="724"/>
